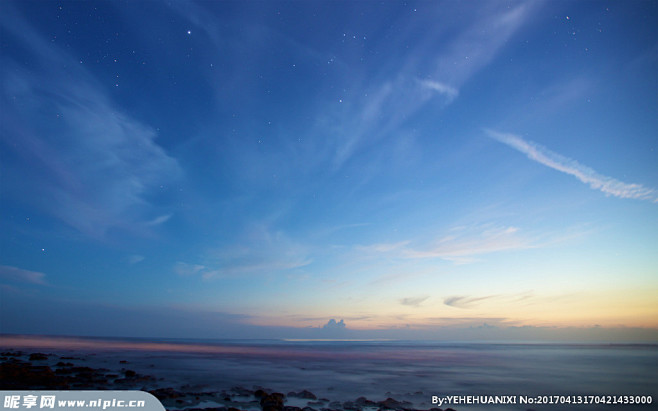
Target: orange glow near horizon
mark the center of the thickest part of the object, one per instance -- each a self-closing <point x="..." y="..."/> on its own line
<point x="618" y="309"/>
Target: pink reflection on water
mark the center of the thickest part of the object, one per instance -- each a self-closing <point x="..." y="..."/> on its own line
<point x="73" y="343"/>
<point x="295" y="351"/>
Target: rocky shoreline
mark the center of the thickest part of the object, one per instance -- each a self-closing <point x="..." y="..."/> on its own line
<point x="21" y="370"/>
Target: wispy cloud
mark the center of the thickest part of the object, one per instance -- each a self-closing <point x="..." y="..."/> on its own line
<point x="465" y="302"/>
<point x="449" y="92"/>
<point x="373" y="105"/>
<point x="393" y="101"/>
<point x="159" y="220"/>
<point x="259" y="251"/>
<point x="413" y="301"/>
<point x="388" y="105"/>
<point x="91" y="164"/>
<point x="135" y="258"/>
<point x="15" y="274"/>
<point x="186" y="269"/>
<point x="460" y="245"/>
<point x="383" y="247"/>
<point x="463" y="322"/>
<point x="605" y="184"/>
<point x="478" y="44"/>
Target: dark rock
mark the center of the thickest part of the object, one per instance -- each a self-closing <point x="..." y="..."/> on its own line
<point x="20" y="375"/>
<point x="130" y="373"/>
<point x="291" y="408"/>
<point x="272" y="402"/>
<point x="37" y="356"/>
<point x="392" y="404"/>
<point x="123" y="362"/>
<point x="209" y="409"/>
<point x="364" y="402"/>
<point x="350" y="406"/>
<point x="84" y="370"/>
<point x="303" y="394"/>
<point x="165" y="393"/>
<point x="260" y="394"/>
<point x="64" y="364"/>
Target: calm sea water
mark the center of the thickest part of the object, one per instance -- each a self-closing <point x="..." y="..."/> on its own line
<point x="405" y="370"/>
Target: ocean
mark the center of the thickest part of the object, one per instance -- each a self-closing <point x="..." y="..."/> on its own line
<point x="412" y="371"/>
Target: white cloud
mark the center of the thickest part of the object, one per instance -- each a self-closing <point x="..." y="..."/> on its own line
<point x="334" y="325"/>
<point x="605" y="184"/>
<point x="449" y="92"/>
<point x="160" y="219"/>
<point x="10" y="273"/>
<point x="135" y="258"/>
<point x="185" y="269"/>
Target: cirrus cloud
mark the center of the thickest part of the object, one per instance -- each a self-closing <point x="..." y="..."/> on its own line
<point x="16" y="274"/>
<point x="605" y="184"/>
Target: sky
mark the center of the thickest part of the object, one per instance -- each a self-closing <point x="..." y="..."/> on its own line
<point x="447" y="170"/>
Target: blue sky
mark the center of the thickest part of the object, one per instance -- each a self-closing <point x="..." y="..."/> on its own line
<point x="256" y="169"/>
